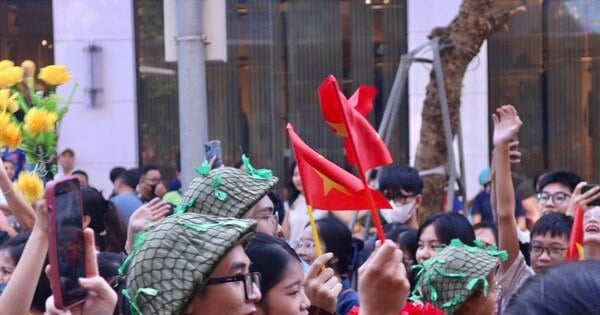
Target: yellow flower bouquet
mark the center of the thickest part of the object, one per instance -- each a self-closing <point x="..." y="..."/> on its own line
<point x="36" y="134"/>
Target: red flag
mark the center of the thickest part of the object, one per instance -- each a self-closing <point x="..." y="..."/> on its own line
<point x="347" y="120"/>
<point x="575" y="250"/>
<point x="328" y="186"/>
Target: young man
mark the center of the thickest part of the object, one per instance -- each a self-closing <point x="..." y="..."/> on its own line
<point x="194" y="264"/>
<point x="150" y="183"/>
<point x="556" y="189"/>
<point x="232" y="192"/>
<point x="549" y="236"/>
<point x="125" y="199"/>
<point x="402" y="186"/>
<point x="66" y="163"/>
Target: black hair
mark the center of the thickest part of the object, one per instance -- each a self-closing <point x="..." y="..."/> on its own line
<point x="115" y="172"/>
<point x="15" y="246"/>
<point x="270" y="256"/>
<point x="338" y="239"/>
<point x="570" y="288"/>
<point x="408" y="241"/>
<point x="109" y="230"/>
<point x="568" y="179"/>
<point x="536" y="178"/>
<point x="401" y="177"/>
<point x="129" y="178"/>
<point x="277" y="204"/>
<point x="108" y="268"/>
<point x="81" y="172"/>
<point x="556" y="223"/>
<point x="146" y="168"/>
<point x="448" y="226"/>
<point x="293" y="192"/>
<point x="487" y="225"/>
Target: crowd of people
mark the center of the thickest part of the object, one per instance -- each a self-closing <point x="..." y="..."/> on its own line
<point x="229" y="245"/>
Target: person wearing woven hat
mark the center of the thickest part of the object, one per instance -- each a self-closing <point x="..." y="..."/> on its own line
<point x="192" y="263"/>
<point x="460" y="279"/>
<point x="232" y="192"/>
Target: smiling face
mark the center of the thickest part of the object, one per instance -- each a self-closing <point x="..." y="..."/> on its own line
<point x="428" y="242"/>
<point x="591" y="226"/>
<point x="287" y="296"/>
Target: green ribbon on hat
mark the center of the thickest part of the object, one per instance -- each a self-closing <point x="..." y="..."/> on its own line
<point x="260" y="174"/>
<point x="221" y="195"/>
<point x="133" y="307"/>
<point x="453" y="302"/>
<point x="206" y="227"/>
<point x="474" y="282"/>
<point x="203" y="169"/>
<point x="182" y="208"/>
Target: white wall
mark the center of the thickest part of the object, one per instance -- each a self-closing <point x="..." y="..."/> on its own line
<point x="423" y="15"/>
<point x="105" y="136"/>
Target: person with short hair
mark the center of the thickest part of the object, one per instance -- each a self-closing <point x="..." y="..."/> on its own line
<point x="82" y="177"/>
<point x="402" y="186"/>
<point x="192" y="263"/>
<point x="66" y="163"/>
<point x="125" y="199"/>
<point x="556" y="189"/>
<point x="150" y="183"/>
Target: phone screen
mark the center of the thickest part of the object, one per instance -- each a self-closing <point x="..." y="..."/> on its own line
<point x="211" y="149"/>
<point x="69" y="232"/>
<point x="585" y="189"/>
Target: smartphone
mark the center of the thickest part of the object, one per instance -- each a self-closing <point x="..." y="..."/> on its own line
<point x="65" y="241"/>
<point x="585" y="189"/>
<point x="213" y="148"/>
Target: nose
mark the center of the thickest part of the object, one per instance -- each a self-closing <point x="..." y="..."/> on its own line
<point x="544" y="257"/>
<point x="257" y="296"/>
<point x="278" y="230"/>
<point x="423" y="255"/>
<point x="305" y="303"/>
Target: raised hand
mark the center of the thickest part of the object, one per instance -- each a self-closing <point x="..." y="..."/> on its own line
<point x="582" y="199"/>
<point x="151" y="212"/>
<point x="382" y="283"/>
<point x="101" y="298"/>
<point x="322" y="287"/>
<point x="506" y="125"/>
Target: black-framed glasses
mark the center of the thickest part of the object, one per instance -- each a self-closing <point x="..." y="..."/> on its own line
<point x="557" y="197"/>
<point x="553" y="251"/>
<point x="250" y="280"/>
<point x="398" y="197"/>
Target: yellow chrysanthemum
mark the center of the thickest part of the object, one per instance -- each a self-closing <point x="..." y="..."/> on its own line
<point x="54" y="75"/>
<point x="38" y="120"/>
<point x="11" y="137"/>
<point x="8" y="102"/>
<point x="10" y="76"/>
<point x="4" y="122"/>
<point x="6" y="64"/>
<point x="30" y="185"/>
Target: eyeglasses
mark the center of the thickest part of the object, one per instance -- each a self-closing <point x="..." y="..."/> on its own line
<point x="553" y="251"/>
<point x="398" y="198"/>
<point x="591" y="214"/>
<point x="273" y="218"/>
<point x="250" y="280"/>
<point x="304" y="244"/>
<point x="557" y="198"/>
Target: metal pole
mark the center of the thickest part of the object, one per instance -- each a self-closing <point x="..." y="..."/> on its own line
<point x="439" y="77"/>
<point x="193" y="120"/>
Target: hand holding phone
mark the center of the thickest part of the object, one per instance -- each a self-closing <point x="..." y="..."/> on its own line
<point x="585" y="189"/>
<point x="65" y="240"/>
<point x="211" y="149"/>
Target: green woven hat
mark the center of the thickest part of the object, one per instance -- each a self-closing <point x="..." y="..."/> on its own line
<point x="227" y="191"/>
<point x="175" y="258"/>
<point x="450" y="277"/>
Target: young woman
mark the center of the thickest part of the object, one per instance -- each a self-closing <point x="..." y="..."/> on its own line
<point x="282" y="280"/>
<point x="103" y="218"/>
<point x="440" y="229"/>
<point x="335" y="238"/>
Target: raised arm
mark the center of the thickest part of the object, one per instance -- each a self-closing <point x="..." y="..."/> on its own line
<point x="22" y="211"/>
<point x="17" y="297"/>
<point x="506" y="127"/>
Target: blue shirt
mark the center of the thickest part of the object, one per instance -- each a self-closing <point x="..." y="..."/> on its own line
<point x="347" y="298"/>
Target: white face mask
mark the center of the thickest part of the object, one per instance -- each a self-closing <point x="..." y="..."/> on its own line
<point x="399" y="213"/>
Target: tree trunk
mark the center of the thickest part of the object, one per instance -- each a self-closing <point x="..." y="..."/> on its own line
<point x="459" y="44"/>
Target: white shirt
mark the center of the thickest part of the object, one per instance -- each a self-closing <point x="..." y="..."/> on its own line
<point x="298" y="217"/>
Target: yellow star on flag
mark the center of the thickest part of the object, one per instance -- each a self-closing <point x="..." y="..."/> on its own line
<point x="329" y="184"/>
<point x="340" y="129"/>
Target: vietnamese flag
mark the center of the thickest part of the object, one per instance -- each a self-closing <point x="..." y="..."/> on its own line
<point x="575" y="250"/>
<point x="328" y="186"/>
<point x="347" y="119"/>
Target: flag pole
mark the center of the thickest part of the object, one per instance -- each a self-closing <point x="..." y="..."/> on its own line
<point x="313" y="227"/>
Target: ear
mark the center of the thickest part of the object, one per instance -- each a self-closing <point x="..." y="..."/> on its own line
<point x="418" y="200"/>
<point x="86" y="220"/>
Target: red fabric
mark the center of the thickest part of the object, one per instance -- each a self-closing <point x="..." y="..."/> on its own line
<point x="328" y="186"/>
<point x="410" y="308"/>
<point x="346" y="119"/>
<point x="575" y="250"/>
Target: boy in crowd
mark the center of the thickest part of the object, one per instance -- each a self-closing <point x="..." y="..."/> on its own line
<point x="556" y="189"/>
